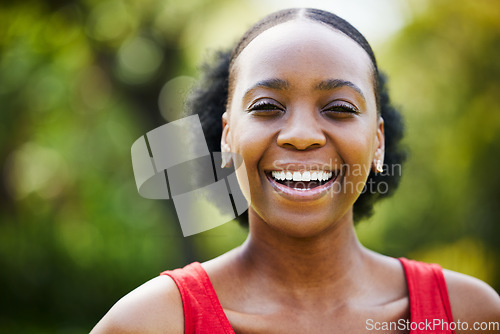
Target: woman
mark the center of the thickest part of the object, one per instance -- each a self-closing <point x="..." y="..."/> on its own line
<point x="305" y="107"/>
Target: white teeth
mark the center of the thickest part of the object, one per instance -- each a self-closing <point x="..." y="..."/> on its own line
<point x="302" y="176"/>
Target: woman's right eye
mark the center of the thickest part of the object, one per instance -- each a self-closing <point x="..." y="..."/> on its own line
<point x="265" y="109"/>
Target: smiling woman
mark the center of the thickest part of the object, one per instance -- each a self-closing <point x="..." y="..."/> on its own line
<point x="301" y="100"/>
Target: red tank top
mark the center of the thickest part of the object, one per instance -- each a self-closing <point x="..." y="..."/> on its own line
<point x="428" y="295"/>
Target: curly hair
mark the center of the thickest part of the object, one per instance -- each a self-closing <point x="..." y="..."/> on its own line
<point x="210" y="97"/>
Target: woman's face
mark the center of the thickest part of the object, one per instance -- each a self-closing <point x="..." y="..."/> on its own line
<point x="302" y="106"/>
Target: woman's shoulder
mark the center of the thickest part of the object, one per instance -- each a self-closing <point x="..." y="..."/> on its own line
<point x="154" y="307"/>
<point x="472" y="300"/>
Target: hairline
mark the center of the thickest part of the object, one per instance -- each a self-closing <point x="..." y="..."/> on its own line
<point x="300" y="16"/>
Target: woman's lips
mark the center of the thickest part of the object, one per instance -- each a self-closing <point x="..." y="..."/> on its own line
<point x="305" y="190"/>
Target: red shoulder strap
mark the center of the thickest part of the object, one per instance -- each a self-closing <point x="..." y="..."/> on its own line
<point x="203" y="312"/>
<point x="429" y="301"/>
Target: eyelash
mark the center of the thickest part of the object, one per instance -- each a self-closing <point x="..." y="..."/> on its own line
<point x="271" y="108"/>
<point x="342" y="108"/>
<point x="263" y="107"/>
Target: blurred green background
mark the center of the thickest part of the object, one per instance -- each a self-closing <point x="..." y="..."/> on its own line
<point x="81" y="80"/>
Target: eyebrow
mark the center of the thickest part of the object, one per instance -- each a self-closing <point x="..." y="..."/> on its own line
<point x="336" y="83"/>
<point x="329" y="84"/>
<point x="274" y="83"/>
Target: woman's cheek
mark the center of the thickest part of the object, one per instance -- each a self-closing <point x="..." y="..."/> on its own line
<point x="356" y="153"/>
<point x="249" y="145"/>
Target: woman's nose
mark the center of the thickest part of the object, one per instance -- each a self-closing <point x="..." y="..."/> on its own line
<point x="301" y="132"/>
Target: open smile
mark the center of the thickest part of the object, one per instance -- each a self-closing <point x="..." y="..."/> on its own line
<point x="302" y="185"/>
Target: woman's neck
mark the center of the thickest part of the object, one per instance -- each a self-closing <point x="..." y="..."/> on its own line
<point x="329" y="263"/>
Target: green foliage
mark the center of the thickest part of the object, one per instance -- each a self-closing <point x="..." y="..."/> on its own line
<point x="78" y="84"/>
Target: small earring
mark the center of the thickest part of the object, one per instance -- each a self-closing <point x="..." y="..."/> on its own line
<point x="224" y="160"/>
<point x="379" y="167"/>
<point x="226" y="156"/>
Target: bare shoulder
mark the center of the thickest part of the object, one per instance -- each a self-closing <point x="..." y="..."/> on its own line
<point x="154" y="307"/>
<point x="472" y="300"/>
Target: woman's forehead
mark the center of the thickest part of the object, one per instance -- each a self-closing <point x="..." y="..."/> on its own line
<point x="305" y="50"/>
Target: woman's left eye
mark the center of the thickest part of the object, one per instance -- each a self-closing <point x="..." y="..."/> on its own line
<point x="340" y="109"/>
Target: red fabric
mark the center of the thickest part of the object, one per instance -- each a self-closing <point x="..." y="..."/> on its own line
<point x="203" y="312"/>
<point x="429" y="299"/>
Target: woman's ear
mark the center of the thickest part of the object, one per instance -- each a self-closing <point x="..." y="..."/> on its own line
<point x="380" y="147"/>
<point x="225" y="142"/>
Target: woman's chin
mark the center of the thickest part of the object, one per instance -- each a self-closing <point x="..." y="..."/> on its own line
<point x="303" y="224"/>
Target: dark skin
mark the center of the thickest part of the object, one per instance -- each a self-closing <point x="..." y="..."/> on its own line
<point x="301" y="268"/>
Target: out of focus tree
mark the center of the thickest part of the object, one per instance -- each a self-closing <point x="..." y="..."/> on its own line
<point x="79" y="82"/>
